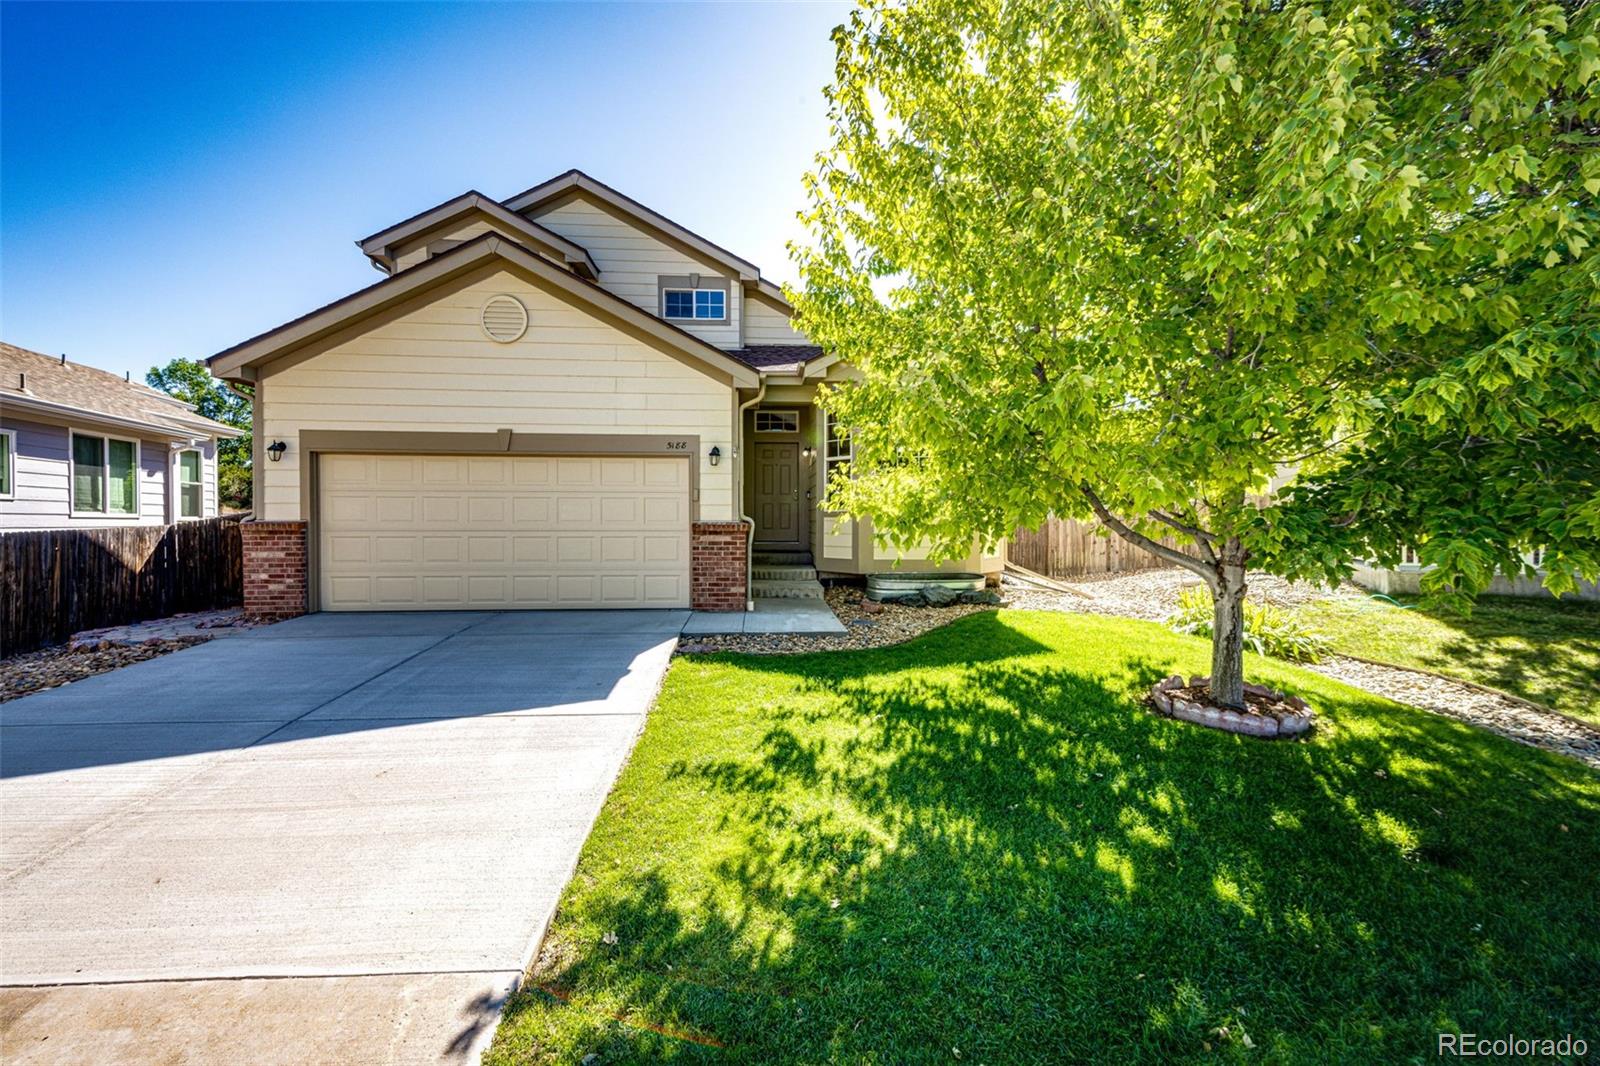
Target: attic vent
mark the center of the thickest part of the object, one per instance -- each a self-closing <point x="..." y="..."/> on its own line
<point x="504" y="318"/>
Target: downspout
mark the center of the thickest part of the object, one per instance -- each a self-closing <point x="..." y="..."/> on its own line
<point x="749" y="523"/>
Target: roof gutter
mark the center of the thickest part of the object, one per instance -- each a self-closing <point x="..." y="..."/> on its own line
<point x="180" y="431"/>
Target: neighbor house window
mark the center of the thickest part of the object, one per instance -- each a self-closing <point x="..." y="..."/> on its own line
<point x="837" y="449"/>
<point x="105" y="475"/>
<point x="8" y="464"/>
<point x="189" y="484"/>
<point x="695" y="304"/>
<point x="777" y="421"/>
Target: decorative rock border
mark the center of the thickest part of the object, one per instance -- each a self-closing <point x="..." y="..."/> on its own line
<point x="1268" y="714"/>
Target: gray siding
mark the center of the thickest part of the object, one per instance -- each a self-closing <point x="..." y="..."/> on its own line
<point x="43" y="479"/>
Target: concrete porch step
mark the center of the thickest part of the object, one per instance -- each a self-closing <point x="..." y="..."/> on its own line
<point x="780" y="558"/>
<point x="786" y="590"/>
<point x="760" y="572"/>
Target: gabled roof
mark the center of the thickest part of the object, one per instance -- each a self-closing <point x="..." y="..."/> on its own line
<point x="379" y="246"/>
<point x="47" y="384"/>
<point x="579" y="183"/>
<point x="237" y="363"/>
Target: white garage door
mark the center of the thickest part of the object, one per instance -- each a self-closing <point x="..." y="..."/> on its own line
<point x="426" y="532"/>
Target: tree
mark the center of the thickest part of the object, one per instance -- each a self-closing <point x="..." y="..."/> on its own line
<point x="189" y="380"/>
<point x="1297" y="283"/>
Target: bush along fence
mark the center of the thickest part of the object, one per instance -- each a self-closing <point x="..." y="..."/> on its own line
<point x="55" y="582"/>
<point x="1066" y="548"/>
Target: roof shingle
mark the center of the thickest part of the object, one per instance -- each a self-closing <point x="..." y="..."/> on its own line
<point x="33" y="375"/>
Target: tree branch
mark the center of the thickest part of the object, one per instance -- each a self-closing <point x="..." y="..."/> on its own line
<point x="1202" y="539"/>
<point x="1127" y="533"/>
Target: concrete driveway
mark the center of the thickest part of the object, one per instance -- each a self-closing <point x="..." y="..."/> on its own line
<point x="336" y="839"/>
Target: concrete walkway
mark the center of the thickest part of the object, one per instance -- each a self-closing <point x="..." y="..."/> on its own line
<point x="336" y="839"/>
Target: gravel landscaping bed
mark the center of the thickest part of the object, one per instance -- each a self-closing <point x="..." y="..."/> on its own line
<point x="1153" y="594"/>
<point x="868" y="625"/>
<point x="36" y="670"/>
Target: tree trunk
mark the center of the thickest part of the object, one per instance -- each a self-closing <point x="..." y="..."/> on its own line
<point x="1227" y="628"/>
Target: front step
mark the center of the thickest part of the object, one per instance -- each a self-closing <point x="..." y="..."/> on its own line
<point x="786" y="590"/>
<point x="760" y="572"/>
<point x="762" y="557"/>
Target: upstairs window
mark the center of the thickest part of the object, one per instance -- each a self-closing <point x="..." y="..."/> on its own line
<point x="105" y="475"/>
<point x="189" y="484"/>
<point x="695" y="304"/>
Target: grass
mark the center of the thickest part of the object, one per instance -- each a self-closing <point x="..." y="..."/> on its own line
<point x="1546" y="651"/>
<point x="978" y="847"/>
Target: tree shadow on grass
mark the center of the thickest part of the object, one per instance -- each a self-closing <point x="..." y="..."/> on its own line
<point x="1017" y="860"/>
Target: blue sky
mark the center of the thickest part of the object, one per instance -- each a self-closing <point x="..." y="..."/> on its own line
<point x="177" y="178"/>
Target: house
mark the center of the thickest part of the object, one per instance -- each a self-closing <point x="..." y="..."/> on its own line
<point x="560" y="399"/>
<point x="81" y="447"/>
<point x="1405" y="579"/>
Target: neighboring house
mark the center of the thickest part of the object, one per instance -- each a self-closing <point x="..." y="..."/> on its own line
<point x="562" y="399"/>
<point x="1406" y="579"/>
<point x="81" y="447"/>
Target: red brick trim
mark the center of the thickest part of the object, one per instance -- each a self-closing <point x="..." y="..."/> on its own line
<point x="717" y="568"/>
<point x="274" y="569"/>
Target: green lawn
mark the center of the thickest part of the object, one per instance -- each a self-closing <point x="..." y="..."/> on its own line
<point x="1542" y="650"/>
<point x="981" y="841"/>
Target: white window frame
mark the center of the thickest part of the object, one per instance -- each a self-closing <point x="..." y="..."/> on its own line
<point x="831" y="458"/>
<point x="10" y="462"/>
<point x="789" y="415"/>
<point x="105" y="477"/>
<point x="177" y="485"/>
<point x="726" y="296"/>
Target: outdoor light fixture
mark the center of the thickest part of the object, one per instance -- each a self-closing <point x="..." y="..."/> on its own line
<point x="715" y="455"/>
<point x="276" y="449"/>
<point x="807" y="452"/>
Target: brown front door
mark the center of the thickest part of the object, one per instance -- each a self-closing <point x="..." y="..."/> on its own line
<point x="777" y="495"/>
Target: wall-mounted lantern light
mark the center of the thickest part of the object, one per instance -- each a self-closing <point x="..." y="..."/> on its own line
<point x="715" y="455"/>
<point x="807" y="452"/>
<point x="276" y="449"/>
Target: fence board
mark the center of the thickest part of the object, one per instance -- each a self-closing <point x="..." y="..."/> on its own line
<point x="1063" y="547"/>
<point x="55" y="582"/>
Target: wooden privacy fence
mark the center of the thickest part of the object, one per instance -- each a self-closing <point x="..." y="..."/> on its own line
<point x="55" y="582"/>
<point x="1063" y="547"/>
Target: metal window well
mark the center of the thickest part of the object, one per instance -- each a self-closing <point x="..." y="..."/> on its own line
<point x="925" y="586"/>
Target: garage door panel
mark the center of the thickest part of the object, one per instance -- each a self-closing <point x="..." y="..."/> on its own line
<point x="430" y="532"/>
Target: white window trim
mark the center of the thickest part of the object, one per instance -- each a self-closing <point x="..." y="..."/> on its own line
<point x="175" y="486"/>
<point x="11" y="458"/>
<point x="726" y="315"/>
<point x="105" y="477"/>
<point x="791" y="412"/>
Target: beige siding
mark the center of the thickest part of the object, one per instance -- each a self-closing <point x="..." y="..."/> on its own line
<point x="838" y="538"/>
<point x="765" y="324"/>
<point x="631" y="261"/>
<point x="413" y="252"/>
<point x="434" y="370"/>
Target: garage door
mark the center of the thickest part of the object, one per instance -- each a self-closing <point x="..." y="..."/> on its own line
<point x="424" y="532"/>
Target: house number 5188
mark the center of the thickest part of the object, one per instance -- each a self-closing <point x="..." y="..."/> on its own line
<point x="677" y="445"/>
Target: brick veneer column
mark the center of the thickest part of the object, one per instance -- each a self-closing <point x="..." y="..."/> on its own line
<point x="274" y="568"/>
<point x="717" y="568"/>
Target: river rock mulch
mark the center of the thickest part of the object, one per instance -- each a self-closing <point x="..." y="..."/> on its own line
<point x="867" y="625"/>
<point x="1153" y="594"/>
<point x="49" y="667"/>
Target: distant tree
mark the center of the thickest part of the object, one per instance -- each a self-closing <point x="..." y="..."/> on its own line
<point x="1143" y="261"/>
<point x="189" y="380"/>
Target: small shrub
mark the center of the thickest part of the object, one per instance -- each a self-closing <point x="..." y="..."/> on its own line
<point x="1268" y="630"/>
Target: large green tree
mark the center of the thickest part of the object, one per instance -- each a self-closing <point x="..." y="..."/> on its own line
<point x="1295" y="282"/>
<point x="190" y="381"/>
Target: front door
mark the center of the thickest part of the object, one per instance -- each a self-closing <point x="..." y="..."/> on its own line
<point x="777" y="495"/>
